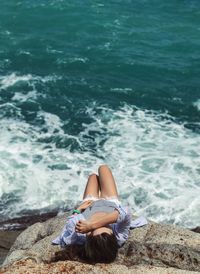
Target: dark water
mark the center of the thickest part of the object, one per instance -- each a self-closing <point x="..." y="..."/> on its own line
<point x="86" y="83"/>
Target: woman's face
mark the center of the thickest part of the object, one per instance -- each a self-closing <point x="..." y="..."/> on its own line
<point x="101" y="230"/>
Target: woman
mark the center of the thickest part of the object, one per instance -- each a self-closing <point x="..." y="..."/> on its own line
<point x="100" y="223"/>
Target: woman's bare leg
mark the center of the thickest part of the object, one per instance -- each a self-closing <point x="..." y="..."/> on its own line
<point x="92" y="186"/>
<point x="107" y="182"/>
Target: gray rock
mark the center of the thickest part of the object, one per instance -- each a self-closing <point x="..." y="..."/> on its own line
<point x="196" y="229"/>
<point x="155" y="245"/>
<point x="7" y="239"/>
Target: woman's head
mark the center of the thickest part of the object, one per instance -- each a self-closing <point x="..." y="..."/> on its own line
<point x="101" y="247"/>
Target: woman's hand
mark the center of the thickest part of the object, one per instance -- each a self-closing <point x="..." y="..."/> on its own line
<point x="84" y="205"/>
<point x="83" y="226"/>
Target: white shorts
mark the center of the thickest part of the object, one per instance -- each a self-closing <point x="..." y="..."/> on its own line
<point x="111" y="199"/>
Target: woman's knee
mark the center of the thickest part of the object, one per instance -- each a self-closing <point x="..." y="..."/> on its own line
<point x="92" y="176"/>
<point x="103" y="168"/>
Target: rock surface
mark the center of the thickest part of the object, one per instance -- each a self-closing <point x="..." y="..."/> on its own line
<point x="21" y="223"/>
<point x="196" y="229"/>
<point x="7" y="239"/>
<point x="70" y="267"/>
<point x="150" y="248"/>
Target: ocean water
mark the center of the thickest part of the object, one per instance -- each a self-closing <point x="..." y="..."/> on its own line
<point x="85" y="83"/>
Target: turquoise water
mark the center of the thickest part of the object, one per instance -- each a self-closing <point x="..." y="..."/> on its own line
<point x="86" y="83"/>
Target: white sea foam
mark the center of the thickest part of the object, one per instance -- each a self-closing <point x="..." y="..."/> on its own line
<point x="121" y="90"/>
<point x="19" y="96"/>
<point x="35" y="172"/>
<point x="24" y="52"/>
<point x="155" y="162"/>
<point x="12" y="79"/>
<point x="197" y="104"/>
<point x="71" y="60"/>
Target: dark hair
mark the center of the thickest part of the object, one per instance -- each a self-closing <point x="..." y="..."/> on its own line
<point x="101" y="248"/>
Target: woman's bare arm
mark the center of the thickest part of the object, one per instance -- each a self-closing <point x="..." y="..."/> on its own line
<point x="84" y="226"/>
<point x="84" y="205"/>
<point x="109" y="218"/>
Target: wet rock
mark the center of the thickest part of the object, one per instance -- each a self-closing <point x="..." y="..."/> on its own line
<point x="23" y="222"/>
<point x="7" y="239"/>
<point x="196" y="229"/>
